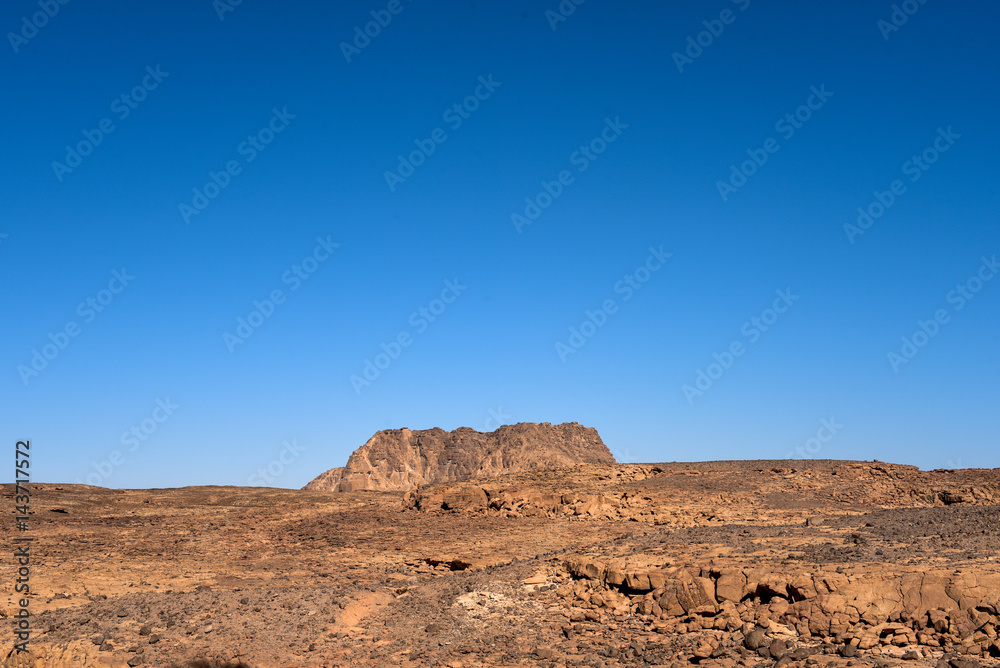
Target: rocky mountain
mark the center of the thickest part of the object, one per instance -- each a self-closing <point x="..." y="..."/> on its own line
<point x="403" y="459"/>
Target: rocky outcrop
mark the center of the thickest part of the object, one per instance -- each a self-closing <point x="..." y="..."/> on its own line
<point x="404" y="459"/>
<point x="715" y="493"/>
<point x="469" y="497"/>
<point x="328" y="480"/>
<point x="905" y="610"/>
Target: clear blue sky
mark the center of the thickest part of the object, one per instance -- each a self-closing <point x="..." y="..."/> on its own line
<point x="632" y="139"/>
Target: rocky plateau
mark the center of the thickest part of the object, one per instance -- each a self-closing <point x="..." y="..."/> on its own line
<point x="493" y="561"/>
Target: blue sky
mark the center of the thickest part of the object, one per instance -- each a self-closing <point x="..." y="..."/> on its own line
<point x="212" y="161"/>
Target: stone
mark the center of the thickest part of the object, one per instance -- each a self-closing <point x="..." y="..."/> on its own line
<point x="959" y="662"/>
<point x="704" y="650"/>
<point x="730" y="585"/>
<point x="755" y="639"/>
<point x="848" y="651"/>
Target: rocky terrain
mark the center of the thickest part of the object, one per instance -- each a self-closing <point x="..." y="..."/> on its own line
<point x="403" y="459"/>
<point x="718" y="564"/>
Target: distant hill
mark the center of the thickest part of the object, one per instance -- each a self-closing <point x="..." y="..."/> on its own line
<point x="403" y="459"/>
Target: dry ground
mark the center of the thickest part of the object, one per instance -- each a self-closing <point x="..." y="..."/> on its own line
<point x="539" y="569"/>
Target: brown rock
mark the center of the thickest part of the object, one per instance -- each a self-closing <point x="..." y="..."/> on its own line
<point x="755" y="639"/>
<point x="638" y="581"/>
<point x="704" y="650"/>
<point x="938" y="620"/>
<point x="403" y="459"/>
<point x="597" y="506"/>
<point x="616" y="573"/>
<point x="586" y="568"/>
<point x="464" y="498"/>
<point x="964" y="663"/>
<point x="802" y="588"/>
<point x="730" y="585"/>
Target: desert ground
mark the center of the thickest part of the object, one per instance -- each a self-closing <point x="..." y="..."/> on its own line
<point x="759" y="563"/>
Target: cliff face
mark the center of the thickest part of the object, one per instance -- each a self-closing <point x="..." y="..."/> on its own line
<point x="402" y="459"/>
